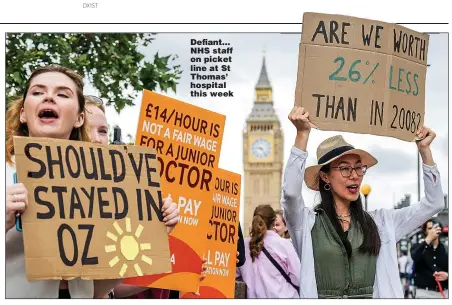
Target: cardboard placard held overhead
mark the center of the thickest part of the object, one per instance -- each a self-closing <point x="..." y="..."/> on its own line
<point x="94" y="210"/>
<point x="188" y="143"/>
<point x="362" y="76"/>
<point x="222" y="239"/>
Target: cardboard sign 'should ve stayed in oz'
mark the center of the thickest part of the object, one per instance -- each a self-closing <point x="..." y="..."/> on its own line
<point x="94" y="210"/>
<point x="362" y="76"/>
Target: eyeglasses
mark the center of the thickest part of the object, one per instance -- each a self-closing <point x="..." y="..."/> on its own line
<point x="95" y="99"/>
<point x="346" y="171"/>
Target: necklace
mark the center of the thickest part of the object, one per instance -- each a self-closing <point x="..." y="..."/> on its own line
<point x="343" y="220"/>
<point x="341" y="217"/>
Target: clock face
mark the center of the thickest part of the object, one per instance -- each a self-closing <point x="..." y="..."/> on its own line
<point x="261" y="148"/>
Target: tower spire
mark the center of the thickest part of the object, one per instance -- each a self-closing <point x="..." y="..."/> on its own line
<point x="263" y="81"/>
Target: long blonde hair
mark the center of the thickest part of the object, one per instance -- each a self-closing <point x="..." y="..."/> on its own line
<point x="15" y="128"/>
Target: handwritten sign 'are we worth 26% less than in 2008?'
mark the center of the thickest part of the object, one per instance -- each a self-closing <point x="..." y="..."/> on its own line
<point x="362" y="75"/>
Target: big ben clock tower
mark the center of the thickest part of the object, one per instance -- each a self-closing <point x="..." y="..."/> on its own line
<point x="263" y="144"/>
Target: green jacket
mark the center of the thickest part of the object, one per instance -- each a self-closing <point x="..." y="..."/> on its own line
<point x="338" y="276"/>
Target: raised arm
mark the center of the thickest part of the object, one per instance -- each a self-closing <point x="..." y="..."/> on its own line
<point x="292" y="200"/>
<point x="408" y="219"/>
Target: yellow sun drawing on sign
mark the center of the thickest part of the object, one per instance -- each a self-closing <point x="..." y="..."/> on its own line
<point x="129" y="247"/>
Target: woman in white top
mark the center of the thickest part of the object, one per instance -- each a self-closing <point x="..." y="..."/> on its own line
<point x="372" y="237"/>
<point x="52" y="107"/>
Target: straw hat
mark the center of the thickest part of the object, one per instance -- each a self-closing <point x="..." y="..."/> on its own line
<point x="330" y="150"/>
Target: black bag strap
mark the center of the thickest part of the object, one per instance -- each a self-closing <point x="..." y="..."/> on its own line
<point x="275" y="263"/>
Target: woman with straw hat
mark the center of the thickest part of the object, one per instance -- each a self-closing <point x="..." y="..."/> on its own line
<point x="346" y="252"/>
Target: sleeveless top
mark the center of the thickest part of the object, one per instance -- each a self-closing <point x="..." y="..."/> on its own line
<point x="338" y="276"/>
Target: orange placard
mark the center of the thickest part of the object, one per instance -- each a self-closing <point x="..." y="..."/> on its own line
<point x="188" y="143"/>
<point x="221" y="253"/>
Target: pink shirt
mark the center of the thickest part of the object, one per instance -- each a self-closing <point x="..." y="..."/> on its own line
<point x="262" y="278"/>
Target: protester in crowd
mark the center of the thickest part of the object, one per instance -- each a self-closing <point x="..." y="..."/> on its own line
<point x="344" y="250"/>
<point x="280" y="225"/>
<point x="430" y="263"/>
<point x="52" y="106"/>
<point x="96" y="121"/>
<point x="405" y="265"/>
<point x="271" y="269"/>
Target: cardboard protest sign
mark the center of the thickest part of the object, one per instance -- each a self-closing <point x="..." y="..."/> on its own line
<point x="94" y="210"/>
<point x="221" y="253"/>
<point x="362" y="76"/>
<point x="188" y="143"/>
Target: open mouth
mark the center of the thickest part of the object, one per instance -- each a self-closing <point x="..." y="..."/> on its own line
<point x="353" y="188"/>
<point x="48" y="114"/>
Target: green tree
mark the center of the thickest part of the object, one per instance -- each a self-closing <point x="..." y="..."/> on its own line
<point x="112" y="63"/>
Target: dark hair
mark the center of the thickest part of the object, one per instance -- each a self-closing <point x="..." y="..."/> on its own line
<point x="424" y="226"/>
<point x="371" y="239"/>
<point x="433" y="221"/>
<point x="263" y="218"/>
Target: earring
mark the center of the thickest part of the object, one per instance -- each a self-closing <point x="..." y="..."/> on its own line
<point x="327" y="187"/>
